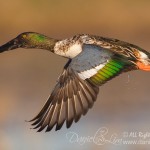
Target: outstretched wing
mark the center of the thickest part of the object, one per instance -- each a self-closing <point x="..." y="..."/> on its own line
<point x="77" y="87"/>
<point x="71" y="98"/>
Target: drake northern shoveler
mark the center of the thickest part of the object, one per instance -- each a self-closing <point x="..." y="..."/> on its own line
<point x="93" y="60"/>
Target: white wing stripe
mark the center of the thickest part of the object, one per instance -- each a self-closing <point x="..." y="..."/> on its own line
<point x="89" y="73"/>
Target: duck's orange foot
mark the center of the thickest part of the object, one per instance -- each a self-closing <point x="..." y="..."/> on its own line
<point x="142" y="66"/>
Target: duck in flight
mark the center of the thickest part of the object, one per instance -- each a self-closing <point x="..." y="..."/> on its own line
<point x="93" y="60"/>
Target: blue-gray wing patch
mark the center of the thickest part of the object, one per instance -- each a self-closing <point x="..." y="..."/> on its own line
<point x="90" y="60"/>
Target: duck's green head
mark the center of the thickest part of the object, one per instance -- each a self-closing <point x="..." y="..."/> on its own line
<point x="30" y="40"/>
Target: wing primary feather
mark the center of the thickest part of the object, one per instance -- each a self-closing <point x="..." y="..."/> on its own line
<point x="73" y="96"/>
<point x="44" y="120"/>
<point x="54" y="116"/>
<point x="84" y="109"/>
<point x="78" y="109"/>
<point x="39" y="124"/>
<point x="62" y="115"/>
<point x="70" y="113"/>
<point x="53" y="119"/>
<point x="77" y="100"/>
<point x="87" y="96"/>
<point x="42" y="126"/>
<point x="45" y="106"/>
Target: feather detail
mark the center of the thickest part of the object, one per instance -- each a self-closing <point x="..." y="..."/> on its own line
<point x="71" y="98"/>
<point x="109" y="71"/>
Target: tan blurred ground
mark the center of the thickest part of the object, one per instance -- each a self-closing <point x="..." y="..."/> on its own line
<point x="28" y="76"/>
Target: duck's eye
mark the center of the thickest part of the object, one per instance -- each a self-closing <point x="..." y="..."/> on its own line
<point x="24" y="36"/>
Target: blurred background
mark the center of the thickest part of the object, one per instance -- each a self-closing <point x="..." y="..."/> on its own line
<point x="27" y="76"/>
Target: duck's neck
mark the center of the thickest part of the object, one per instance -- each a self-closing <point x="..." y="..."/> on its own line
<point x="46" y="43"/>
<point x="30" y="40"/>
<point x="39" y="41"/>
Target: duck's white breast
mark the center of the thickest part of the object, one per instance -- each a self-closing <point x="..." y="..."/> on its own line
<point x="67" y="50"/>
<point x="74" y="50"/>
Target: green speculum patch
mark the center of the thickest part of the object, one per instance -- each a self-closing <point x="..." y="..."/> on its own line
<point x="111" y="69"/>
